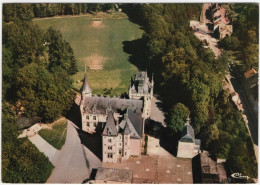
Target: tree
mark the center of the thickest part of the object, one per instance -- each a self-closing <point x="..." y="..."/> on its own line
<point x="177" y="116"/>
<point x="21" y="160"/>
<point x="60" y="52"/>
<point x="50" y="97"/>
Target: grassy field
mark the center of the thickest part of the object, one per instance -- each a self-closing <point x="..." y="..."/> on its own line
<point x="101" y="43"/>
<point x="56" y="136"/>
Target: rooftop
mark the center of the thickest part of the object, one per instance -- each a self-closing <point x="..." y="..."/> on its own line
<point x="132" y="124"/>
<point x="187" y="134"/>
<point x="113" y="174"/>
<point x="101" y="104"/>
<point x="110" y="128"/>
<point x="211" y="170"/>
<point x="86" y="87"/>
<point x="250" y="73"/>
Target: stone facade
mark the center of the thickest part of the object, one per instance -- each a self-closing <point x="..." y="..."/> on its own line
<point x="188" y="146"/>
<point x="121" y="121"/>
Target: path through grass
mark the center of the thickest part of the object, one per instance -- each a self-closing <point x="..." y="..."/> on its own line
<point x="102" y="44"/>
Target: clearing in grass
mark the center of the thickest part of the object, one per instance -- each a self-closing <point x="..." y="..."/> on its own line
<point x="97" y="42"/>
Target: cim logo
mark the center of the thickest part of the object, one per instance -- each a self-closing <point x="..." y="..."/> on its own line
<point x="239" y="176"/>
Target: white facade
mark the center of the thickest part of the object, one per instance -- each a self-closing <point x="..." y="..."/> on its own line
<point x="187" y="150"/>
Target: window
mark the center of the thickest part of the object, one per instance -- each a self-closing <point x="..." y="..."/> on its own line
<point x="109" y="140"/>
<point x="94" y="118"/>
<point x="88" y="124"/>
<point x="95" y="124"/>
<point x="120" y="152"/>
<point x="87" y="117"/>
<point x="109" y="155"/>
<point x="109" y="147"/>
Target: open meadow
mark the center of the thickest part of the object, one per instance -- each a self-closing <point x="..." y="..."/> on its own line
<point x="97" y="41"/>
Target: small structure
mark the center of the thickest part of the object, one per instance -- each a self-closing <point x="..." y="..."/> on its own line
<point x="113" y="176"/>
<point x="188" y="146"/>
<point x="208" y="171"/>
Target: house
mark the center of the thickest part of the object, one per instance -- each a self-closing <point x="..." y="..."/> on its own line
<point x="223" y="30"/>
<point x="220" y="24"/>
<point x="119" y="121"/>
<point x="208" y="171"/>
<point x="188" y="146"/>
<point x="113" y="176"/>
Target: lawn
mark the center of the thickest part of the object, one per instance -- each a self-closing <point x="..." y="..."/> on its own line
<point x="98" y="43"/>
<point x="56" y="135"/>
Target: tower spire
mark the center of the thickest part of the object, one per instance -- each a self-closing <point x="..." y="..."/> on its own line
<point x="86" y="89"/>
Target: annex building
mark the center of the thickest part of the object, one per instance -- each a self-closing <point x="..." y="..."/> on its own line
<point x="121" y="121"/>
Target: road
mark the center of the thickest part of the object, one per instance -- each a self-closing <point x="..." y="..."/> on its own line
<point x="71" y="164"/>
<point x="251" y="120"/>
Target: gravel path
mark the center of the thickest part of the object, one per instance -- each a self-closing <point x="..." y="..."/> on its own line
<point x="44" y="147"/>
<point x="71" y="165"/>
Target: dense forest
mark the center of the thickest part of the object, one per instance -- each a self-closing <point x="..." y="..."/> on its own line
<point x="37" y="66"/>
<point x="28" y="11"/>
<point x="189" y="80"/>
<point x="35" y="82"/>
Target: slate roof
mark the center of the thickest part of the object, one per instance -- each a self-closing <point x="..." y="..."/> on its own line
<point x="134" y="122"/>
<point x="101" y="104"/>
<point x="85" y="87"/>
<point x="126" y="129"/>
<point x="187" y="134"/>
<point x="112" y="174"/>
<point x="137" y="121"/>
<point x="110" y="128"/>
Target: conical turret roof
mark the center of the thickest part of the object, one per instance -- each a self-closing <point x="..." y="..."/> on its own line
<point x="86" y="88"/>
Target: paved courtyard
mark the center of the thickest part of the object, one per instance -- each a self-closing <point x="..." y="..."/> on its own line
<point x="158" y="166"/>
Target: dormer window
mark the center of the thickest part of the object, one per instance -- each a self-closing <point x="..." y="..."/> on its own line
<point x="94" y="118"/>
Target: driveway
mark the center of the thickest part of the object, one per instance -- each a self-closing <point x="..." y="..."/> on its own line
<point x="44" y="147"/>
<point x="71" y="164"/>
<point x="157" y="114"/>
